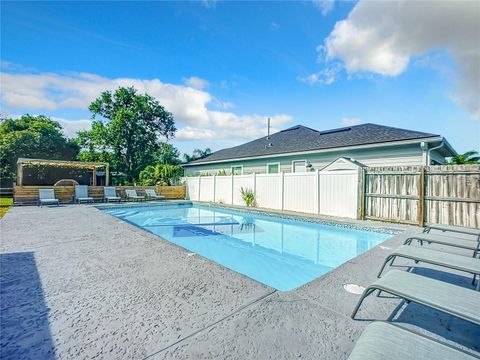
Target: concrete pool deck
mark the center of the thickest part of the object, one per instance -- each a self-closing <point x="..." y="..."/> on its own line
<point x="76" y="282"/>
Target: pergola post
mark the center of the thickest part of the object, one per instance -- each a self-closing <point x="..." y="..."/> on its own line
<point x="19" y="174"/>
<point x="107" y="175"/>
<point x="94" y="182"/>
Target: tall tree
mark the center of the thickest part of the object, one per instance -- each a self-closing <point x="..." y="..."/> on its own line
<point x="469" y="157"/>
<point x="31" y="137"/>
<point x="132" y="130"/>
<point x="167" y="154"/>
<point x="197" y="154"/>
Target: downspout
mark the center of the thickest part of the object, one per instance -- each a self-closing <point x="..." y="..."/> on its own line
<point x="434" y="148"/>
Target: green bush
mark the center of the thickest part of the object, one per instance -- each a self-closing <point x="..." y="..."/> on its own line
<point x="160" y="174"/>
<point x="248" y="196"/>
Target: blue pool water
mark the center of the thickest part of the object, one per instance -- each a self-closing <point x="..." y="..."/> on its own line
<point x="279" y="252"/>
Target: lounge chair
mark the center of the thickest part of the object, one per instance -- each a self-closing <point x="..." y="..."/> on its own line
<point x="110" y="194"/>
<point x="132" y="195"/>
<point x="439" y="258"/>
<point x="451" y="299"/>
<point x="384" y="341"/>
<point x="454" y="229"/>
<point x="47" y="196"/>
<point x="81" y="194"/>
<point x="151" y="194"/>
<point x="445" y="240"/>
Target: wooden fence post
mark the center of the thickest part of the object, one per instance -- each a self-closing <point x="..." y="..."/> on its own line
<point x="421" y="197"/>
<point x="361" y="194"/>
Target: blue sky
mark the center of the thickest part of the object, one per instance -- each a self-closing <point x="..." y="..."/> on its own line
<point x="223" y="67"/>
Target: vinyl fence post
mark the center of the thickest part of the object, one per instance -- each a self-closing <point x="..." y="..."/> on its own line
<point x="199" y="187"/>
<point x="317" y="191"/>
<point x="254" y="181"/>
<point x="282" y="190"/>
<point x="214" y="187"/>
<point x="231" y="184"/>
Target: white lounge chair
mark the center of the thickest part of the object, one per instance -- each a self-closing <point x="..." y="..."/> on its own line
<point x="110" y="194"/>
<point x="47" y="196"/>
<point x="132" y="195"/>
<point x="151" y="194"/>
<point x="81" y="194"/>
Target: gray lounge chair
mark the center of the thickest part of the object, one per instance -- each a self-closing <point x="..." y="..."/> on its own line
<point x="81" y="194"/>
<point x="439" y="258"/>
<point x="47" y="197"/>
<point x="132" y="195"/>
<point x="445" y="240"/>
<point x="451" y="299"/>
<point x="110" y="194"/>
<point x="151" y="194"/>
<point x="454" y="229"/>
<point x="384" y="341"/>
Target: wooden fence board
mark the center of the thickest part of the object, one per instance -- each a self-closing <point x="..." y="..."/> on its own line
<point x="449" y="194"/>
<point x="29" y="194"/>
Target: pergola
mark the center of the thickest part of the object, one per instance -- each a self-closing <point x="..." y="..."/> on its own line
<point x="23" y="162"/>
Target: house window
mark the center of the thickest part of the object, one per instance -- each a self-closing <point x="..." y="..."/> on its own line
<point x="299" y="166"/>
<point x="237" y="170"/>
<point x="273" y="168"/>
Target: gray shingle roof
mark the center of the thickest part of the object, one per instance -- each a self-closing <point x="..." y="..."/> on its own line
<point x="301" y="138"/>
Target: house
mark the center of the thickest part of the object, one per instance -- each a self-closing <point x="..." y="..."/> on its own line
<point x="301" y="149"/>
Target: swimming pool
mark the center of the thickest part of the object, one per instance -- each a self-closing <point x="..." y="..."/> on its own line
<point x="279" y="252"/>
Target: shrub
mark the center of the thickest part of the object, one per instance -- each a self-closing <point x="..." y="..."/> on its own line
<point x="248" y="196"/>
<point x="160" y="174"/>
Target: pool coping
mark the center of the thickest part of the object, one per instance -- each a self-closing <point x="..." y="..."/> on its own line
<point x="366" y="225"/>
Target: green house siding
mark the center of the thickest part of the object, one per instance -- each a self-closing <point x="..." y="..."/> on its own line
<point x="381" y="156"/>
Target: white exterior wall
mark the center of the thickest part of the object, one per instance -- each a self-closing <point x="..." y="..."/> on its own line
<point x="381" y="156"/>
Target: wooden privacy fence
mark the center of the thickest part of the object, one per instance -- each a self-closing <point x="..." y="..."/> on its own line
<point x="423" y="195"/>
<point x="29" y="194"/>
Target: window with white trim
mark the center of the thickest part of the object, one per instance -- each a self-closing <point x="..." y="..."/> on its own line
<point x="299" y="166"/>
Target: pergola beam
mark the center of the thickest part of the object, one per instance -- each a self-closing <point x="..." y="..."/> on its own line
<point x="22" y="162"/>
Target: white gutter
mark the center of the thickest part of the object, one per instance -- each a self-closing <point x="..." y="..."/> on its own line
<point x="384" y="144"/>
<point x="434" y="148"/>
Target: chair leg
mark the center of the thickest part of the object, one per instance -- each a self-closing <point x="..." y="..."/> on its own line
<point x="367" y="292"/>
<point x="389" y="258"/>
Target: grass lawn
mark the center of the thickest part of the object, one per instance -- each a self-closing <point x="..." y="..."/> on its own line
<point x="5" y="205"/>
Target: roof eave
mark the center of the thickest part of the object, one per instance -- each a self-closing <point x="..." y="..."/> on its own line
<point x="371" y="145"/>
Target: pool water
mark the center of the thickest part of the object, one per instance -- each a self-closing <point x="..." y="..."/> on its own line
<point x="278" y="252"/>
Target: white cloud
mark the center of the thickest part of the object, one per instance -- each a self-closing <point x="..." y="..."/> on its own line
<point x="350" y="121"/>
<point x="325" y="6"/>
<point x="209" y="4"/>
<point x="326" y="76"/>
<point x="231" y="126"/>
<point x="383" y="36"/>
<point x="49" y="91"/>
<point x="196" y="83"/>
<point x="71" y="127"/>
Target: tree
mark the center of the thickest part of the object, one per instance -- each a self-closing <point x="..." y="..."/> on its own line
<point x="469" y="157"/>
<point x="31" y="137"/>
<point x="197" y="154"/>
<point x="131" y="134"/>
<point x="167" y="154"/>
<point x="160" y="174"/>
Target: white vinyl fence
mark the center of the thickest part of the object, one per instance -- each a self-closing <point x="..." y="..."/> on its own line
<point x="333" y="193"/>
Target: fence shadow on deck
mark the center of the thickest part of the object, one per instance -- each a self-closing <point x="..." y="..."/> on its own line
<point x="24" y="327"/>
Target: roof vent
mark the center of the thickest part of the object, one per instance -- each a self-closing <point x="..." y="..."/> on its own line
<point x="335" y="131"/>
